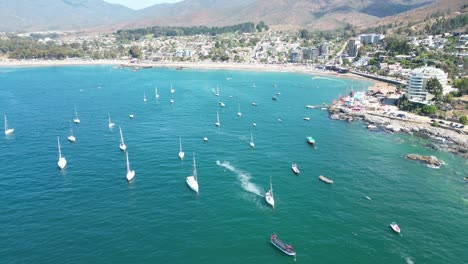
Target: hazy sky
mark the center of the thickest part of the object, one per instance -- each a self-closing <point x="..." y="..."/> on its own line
<point x="139" y="4"/>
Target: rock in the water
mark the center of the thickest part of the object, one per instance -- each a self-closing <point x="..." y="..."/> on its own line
<point x="430" y="160"/>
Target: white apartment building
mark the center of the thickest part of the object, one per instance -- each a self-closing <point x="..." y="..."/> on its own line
<point x="417" y="80"/>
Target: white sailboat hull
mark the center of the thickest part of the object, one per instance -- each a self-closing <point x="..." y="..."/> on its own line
<point x="111" y="125"/>
<point x="181" y="155"/>
<point x="71" y="138"/>
<point x="76" y="121"/>
<point x="123" y="147"/>
<point x="130" y="175"/>
<point x="62" y="162"/>
<point x="252" y="144"/>
<point x="9" y="131"/>
<point x="192" y="183"/>
<point x="269" y="199"/>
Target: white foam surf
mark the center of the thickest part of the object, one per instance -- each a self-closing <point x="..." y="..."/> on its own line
<point x="243" y="177"/>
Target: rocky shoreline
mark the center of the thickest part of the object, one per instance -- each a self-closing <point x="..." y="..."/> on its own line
<point x="455" y="141"/>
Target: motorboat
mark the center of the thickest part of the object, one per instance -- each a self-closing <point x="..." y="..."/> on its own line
<point x="284" y="247"/>
<point x="395" y="227"/>
<point x="310" y="106"/>
<point x="311" y="140"/>
<point x="222" y="104"/>
<point x="295" y="169"/>
<point x="325" y="179"/>
<point x="307" y="118"/>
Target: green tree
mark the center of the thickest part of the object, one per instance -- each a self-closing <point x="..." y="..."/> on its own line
<point x="464" y="120"/>
<point x="434" y="87"/>
<point x="429" y="109"/>
<point x="135" y="52"/>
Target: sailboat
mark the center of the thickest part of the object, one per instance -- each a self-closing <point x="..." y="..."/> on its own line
<point x="76" y="120"/>
<point x="71" y="137"/>
<point x="181" y="152"/>
<point x="239" y="113"/>
<point x="217" y="90"/>
<point x="269" y="196"/>
<point x="192" y="181"/>
<point x="8" y="131"/>
<point x="218" y="124"/>
<point x="62" y="162"/>
<point x="252" y="144"/>
<point x="111" y="125"/>
<point x="172" y="89"/>
<point x="122" y="145"/>
<point x="144" y="97"/>
<point x="156" y="93"/>
<point x="130" y="173"/>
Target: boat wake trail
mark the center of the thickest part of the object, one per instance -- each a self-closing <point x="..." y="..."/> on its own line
<point x="243" y="177"/>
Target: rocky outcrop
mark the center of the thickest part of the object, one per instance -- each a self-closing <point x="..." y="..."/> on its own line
<point x="429" y="160"/>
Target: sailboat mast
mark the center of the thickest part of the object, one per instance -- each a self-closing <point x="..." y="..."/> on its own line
<point x="121" y="136"/>
<point x="194" y="168"/>
<point x="180" y="144"/>
<point x="271" y="188"/>
<point x="60" y="151"/>
<point x="128" y="163"/>
<point x="6" y="124"/>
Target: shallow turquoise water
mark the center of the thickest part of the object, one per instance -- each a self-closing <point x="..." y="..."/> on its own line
<point x="90" y="214"/>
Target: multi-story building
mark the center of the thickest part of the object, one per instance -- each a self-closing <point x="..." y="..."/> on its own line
<point x="371" y="38"/>
<point x="417" y="80"/>
<point x="353" y="47"/>
<point x="310" y="54"/>
<point x="324" y="50"/>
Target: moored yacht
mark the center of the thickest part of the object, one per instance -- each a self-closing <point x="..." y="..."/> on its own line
<point x="192" y="180"/>
<point x="62" y="162"/>
<point x="130" y="173"/>
<point x="270" y="199"/>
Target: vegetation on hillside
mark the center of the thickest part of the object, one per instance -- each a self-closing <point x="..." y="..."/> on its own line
<point x="158" y="31"/>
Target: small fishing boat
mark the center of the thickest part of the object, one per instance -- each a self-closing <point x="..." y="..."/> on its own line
<point x="286" y="248"/>
<point x="254" y="103"/>
<point x="131" y="116"/>
<point x="307" y="118"/>
<point x="295" y="169"/>
<point x="368" y="198"/>
<point x="325" y="179"/>
<point x="222" y="104"/>
<point x="172" y="101"/>
<point x="311" y="140"/>
<point x="205" y="139"/>
<point x="310" y="106"/>
<point x="395" y="227"/>
<point x="323" y="108"/>
<point x="254" y="124"/>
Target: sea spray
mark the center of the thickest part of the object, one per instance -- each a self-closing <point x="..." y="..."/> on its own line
<point x="243" y="177"/>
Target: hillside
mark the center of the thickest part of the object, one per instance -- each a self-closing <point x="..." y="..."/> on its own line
<point x="31" y="15"/>
<point x="311" y="13"/>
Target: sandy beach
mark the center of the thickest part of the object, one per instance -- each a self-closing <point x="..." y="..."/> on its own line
<point x="307" y="69"/>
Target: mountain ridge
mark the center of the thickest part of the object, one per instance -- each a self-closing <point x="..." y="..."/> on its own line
<point x="46" y="15"/>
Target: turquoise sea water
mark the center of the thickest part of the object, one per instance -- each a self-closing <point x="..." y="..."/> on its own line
<point x="90" y="214"/>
